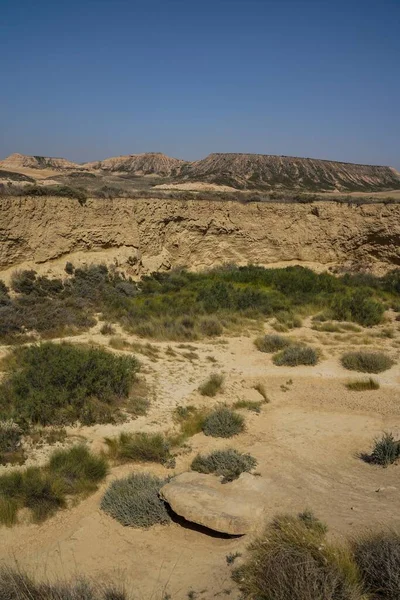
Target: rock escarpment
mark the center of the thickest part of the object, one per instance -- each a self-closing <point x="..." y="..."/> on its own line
<point x="262" y="171"/>
<point x="147" y="235"/>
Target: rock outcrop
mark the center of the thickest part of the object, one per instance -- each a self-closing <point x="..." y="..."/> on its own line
<point x="21" y="161"/>
<point x="149" y="163"/>
<point x="153" y="234"/>
<point x="234" y="508"/>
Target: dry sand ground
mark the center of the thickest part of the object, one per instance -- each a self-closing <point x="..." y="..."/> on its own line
<point x="306" y="442"/>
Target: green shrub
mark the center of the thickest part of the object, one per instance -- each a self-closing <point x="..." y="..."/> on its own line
<point x="190" y="419"/>
<point x="11" y="451"/>
<point x="296" y="355"/>
<point x="386" y="450"/>
<point x="271" y="343"/>
<point x="210" y="327"/>
<point x="293" y="560"/>
<point x="78" y="468"/>
<point x="361" y="385"/>
<point x="10" y="436"/>
<point x="135" y="502"/>
<point x="43" y="490"/>
<point x="378" y="558"/>
<point x="23" y="282"/>
<point x="367" y="362"/>
<point x="312" y="522"/>
<point x="357" y="306"/>
<point x="61" y="384"/>
<point x="228" y="464"/>
<point x="140" y="446"/>
<point x="69" y="268"/>
<point x="223" y="422"/>
<point x="288" y="319"/>
<point x="212" y="385"/>
<point x="42" y="493"/>
<point x="8" y="512"/>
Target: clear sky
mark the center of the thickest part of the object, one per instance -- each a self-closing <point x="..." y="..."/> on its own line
<point x="90" y="79"/>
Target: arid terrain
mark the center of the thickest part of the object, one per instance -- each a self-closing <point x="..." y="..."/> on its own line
<point x="223" y="172"/>
<point x="142" y="270"/>
<point x="306" y="440"/>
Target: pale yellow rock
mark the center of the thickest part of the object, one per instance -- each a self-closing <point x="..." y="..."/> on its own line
<point x="235" y="508"/>
<point x="44" y="232"/>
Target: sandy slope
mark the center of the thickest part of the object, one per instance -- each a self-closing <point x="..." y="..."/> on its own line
<point x="305" y="440"/>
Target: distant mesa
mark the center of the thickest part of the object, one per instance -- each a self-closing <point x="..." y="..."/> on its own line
<point x="260" y="171"/>
<point x="233" y="171"/>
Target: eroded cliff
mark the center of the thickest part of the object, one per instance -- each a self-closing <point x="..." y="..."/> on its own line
<point x="147" y="235"/>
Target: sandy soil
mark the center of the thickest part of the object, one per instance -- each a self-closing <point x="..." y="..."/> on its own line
<point x="196" y="186"/>
<point x="306" y="441"/>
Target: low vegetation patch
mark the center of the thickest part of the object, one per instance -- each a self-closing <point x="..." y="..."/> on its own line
<point x="271" y="343"/>
<point x="190" y="420"/>
<point x="296" y="355"/>
<point x="140" y="447"/>
<point x="286" y="320"/>
<point x="386" y="450"/>
<point x="212" y="385"/>
<point x="367" y="362"/>
<point x="357" y="306"/>
<point x="10" y="442"/>
<point x="78" y="469"/>
<point x="360" y="385"/>
<point x="135" y="502"/>
<point x="44" y="490"/>
<point x="252" y="405"/>
<point x="17" y="585"/>
<point x="137" y="406"/>
<point x="312" y="522"/>
<point x="223" y="422"/>
<point x="294" y="560"/>
<point x="378" y="558"/>
<point x="211" y="327"/>
<point x="57" y="384"/>
<point x="228" y="464"/>
<point x="187" y="306"/>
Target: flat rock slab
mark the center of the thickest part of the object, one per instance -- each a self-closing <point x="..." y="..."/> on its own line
<point x="234" y="508"/>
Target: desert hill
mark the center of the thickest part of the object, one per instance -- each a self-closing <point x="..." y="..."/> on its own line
<point x="257" y="171"/>
<point x="147" y="163"/>
<point x="233" y="171"/>
<point x="20" y="161"/>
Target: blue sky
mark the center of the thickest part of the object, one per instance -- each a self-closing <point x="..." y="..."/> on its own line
<point x="95" y="78"/>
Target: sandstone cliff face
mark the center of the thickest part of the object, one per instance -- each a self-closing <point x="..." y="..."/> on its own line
<point x="147" y="235"/>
